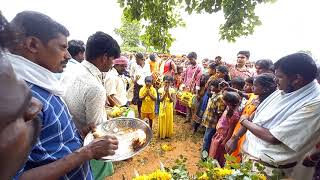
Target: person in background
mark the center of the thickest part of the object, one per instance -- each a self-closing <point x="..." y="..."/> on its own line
<point x="223" y="72"/>
<point x="167" y="66"/>
<point x="240" y="69"/>
<point x="212" y="114"/>
<point x="218" y="61"/>
<point x="58" y="154"/>
<point x="76" y="49"/>
<point x="264" y="66"/>
<point x="204" y="94"/>
<point x="148" y="96"/>
<point x="225" y="126"/>
<point x="115" y="83"/>
<point x="154" y="65"/>
<point x="237" y="83"/>
<point x="139" y="72"/>
<point x="18" y="112"/>
<point x="205" y="65"/>
<point x="167" y="99"/>
<point x="191" y="80"/>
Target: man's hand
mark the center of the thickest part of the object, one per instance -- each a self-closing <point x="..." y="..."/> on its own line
<point x="104" y="146"/>
<point x="86" y="129"/>
<point x="231" y="145"/>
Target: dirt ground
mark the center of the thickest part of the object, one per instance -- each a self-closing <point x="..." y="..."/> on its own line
<point x="183" y="142"/>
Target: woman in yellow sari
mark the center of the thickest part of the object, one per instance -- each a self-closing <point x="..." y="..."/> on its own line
<point x="167" y="99"/>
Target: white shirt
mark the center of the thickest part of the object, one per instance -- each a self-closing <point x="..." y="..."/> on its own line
<point x="85" y="94"/>
<point x="298" y="132"/>
<point x="115" y="84"/>
<point x="143" y="72"/>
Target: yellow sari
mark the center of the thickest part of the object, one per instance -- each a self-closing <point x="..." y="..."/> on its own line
<point x="165" y="118"/>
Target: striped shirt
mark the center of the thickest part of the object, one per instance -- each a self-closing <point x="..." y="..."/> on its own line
<point x="58" y="137"/>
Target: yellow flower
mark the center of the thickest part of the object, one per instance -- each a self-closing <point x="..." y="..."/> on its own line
<point x="262" y="177"/>
<point x="167" y="147"/>
<point x="222" y="172"/>
<point x="203" y="177"/>
<point x="158" y="175"/>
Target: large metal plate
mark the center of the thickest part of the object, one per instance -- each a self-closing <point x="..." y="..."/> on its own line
<point x="125" y="129"/>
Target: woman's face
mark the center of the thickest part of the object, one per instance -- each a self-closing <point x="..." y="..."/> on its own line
<point x="241" y="60"/>
<point x="166" y="83"/>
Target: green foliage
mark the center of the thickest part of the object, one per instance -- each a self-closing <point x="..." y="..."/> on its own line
<point x="129" y="32"/>
<point x="163" y="15"/>
<point x="179" y="170"/>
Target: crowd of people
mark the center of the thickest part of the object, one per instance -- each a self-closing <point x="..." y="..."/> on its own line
<point x="54" y="92"/>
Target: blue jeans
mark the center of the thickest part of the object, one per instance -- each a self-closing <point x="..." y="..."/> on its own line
<point x="207" y="138"/>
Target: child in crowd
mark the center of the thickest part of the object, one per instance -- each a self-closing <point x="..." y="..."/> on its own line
<point x="223" y="72"/>
<point x="178" y="77"/>
<point x="148" y="96"/>
<point x="212" y="114"/>
<point x="167" y="99"/>
<point x="225" y="126"/>
<point x="237" y="83"/>
<point x="203" y="95"/>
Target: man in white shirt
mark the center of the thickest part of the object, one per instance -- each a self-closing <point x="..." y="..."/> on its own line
<point x="115" y="83"/>
<point x="85" y="94"/>
<point x="286" y="125"/>
<point x="139" y="72"/>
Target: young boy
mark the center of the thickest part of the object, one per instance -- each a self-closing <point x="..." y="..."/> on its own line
<point x="213" y="112"/>
<point x="148" y="96"/>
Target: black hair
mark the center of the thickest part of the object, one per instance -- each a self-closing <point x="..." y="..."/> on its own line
<point x="148" y="79"/>
<point x="268" y="83"/>
<point x="100" y="44"/>
<point x="75" y="47"/>
<point x="265" y="64"/>
<point x="238" y="81"/>
<point x="215" y="83"/>
<point x="212" y="66"/>
<point x="152" y="57"/>
<point x="231" y="97"/>
<point x="6" y="34"/>
<point x="192" y="55"/>
<point x="318" y="74"/>
<point x="168" y="78"/>
<point x="298" y="63"/>
<point x="139" y="56"/>
<point x="41" y="26"/>
<point x="245" y="53"/>
<point x="218" y="58"/>
<point x="225" y="71"/>
<point x="249" y="80"/>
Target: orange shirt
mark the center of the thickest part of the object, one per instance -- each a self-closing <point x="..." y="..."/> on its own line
<point x="154" y="66"/>
<point x="249" y="109"/>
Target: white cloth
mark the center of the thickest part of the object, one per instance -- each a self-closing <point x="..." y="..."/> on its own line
<point x="115" y="84"/>
<point x="85" y="94"/>
<point x="35" y="74"/>
<point x="143" y="72"/>
<point x="69" y="65"/>
<point x="293" y="119"/>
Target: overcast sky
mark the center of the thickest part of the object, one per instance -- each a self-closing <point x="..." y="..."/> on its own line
<point x="287" y="26"/>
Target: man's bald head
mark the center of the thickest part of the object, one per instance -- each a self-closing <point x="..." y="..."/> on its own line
<point x="15" y="94"/>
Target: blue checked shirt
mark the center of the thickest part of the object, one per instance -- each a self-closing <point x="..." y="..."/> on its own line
<point x="58" y="137"/>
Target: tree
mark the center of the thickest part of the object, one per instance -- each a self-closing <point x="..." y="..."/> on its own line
<point x="163" y="15"/>
<point x="129" y="32"/>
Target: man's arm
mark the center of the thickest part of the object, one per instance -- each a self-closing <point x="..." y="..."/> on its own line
<point x="100" y="147"/>
<point x="260" y="132"/>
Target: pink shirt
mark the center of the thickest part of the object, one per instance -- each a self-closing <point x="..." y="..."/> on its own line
<point x="191" y="77"/>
